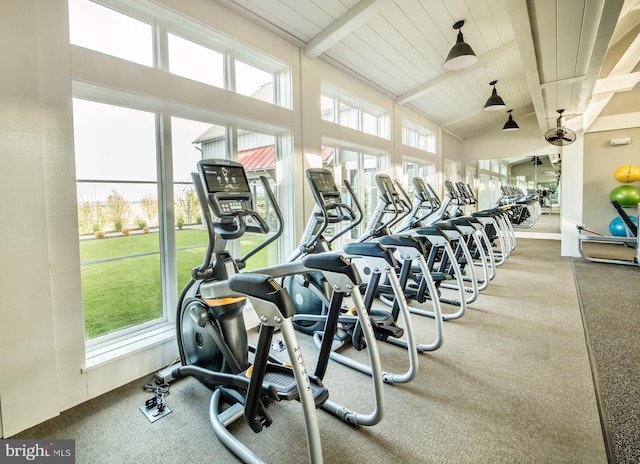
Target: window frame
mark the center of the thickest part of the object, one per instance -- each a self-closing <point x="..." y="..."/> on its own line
<point x="339" y="97"/>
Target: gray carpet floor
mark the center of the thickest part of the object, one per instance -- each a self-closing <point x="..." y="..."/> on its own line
<point x="511" y="384"/>
<point x="609" y="298"/>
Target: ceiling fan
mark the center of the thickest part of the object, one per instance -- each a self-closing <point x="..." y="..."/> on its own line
<point x="560" y="135"/>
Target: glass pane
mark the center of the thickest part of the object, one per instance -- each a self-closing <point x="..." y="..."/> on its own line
<point x="117" y="198"/>
<point x="113" y="143"/>
<point x="254" y="82"/>
<point x="188" y="59"/>
<point x="104" y="30"/>
<point x="257" y="152"/>
<point x="348" y="116"/>
<point x="327" y="108"/>
<point x="369" y="124"/>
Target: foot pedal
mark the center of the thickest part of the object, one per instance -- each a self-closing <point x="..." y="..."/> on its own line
<point x="384" y="326"/>
<point x="282" y="380"/>
<point x="382" y="332"/>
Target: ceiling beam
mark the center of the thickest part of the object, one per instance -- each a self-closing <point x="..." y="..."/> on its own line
<point x="484" y="60"/>
<point x="608" y="20"/>
<point x="569" y="80"/>
<point x="620" y="83"/>
<point x="342" y="27"/>
<point x="521" y="24"/>
<point x="625" y="65"/>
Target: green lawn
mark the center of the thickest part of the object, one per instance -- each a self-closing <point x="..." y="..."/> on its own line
<point x="125" y="292"/>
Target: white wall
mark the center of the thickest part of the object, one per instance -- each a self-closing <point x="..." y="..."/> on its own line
<point x="495" y="143"/>
<point x="600" y="161"/>
<point x="41" y="329"/>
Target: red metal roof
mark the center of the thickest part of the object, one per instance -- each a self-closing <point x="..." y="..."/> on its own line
<point x="258" y="158"/>
<point x="262" y="158"/>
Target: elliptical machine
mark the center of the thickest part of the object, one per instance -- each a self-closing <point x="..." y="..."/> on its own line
<point x="311" y="292"/>
<point x="212" y="337"/>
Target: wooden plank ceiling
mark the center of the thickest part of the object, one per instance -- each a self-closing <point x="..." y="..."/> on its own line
<point x="545" y="54"/>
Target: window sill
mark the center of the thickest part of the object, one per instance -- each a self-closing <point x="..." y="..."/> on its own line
<point x="114" y="350"/>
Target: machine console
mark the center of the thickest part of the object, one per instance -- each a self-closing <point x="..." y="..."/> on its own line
<point x="226" y="186"/>
<point x="324" y="186"/>
<point x="420" y="189"/>
<point x="386" y="187"/>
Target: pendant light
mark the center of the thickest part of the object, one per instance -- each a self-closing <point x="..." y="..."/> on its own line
<point x="510" y="125"/>
<point x="461" y="54"/>
<point x="494" y="102"/>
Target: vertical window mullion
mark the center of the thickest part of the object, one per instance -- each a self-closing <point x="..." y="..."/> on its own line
<point x="230" y="72"/>
<point x="167" y="215"/>
<point x="161" y="46"/>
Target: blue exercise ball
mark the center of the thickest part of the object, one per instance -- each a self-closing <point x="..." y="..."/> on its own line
<point x="617" y="228"/>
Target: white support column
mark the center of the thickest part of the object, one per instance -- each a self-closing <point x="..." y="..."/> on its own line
<point x="571" y="200"/>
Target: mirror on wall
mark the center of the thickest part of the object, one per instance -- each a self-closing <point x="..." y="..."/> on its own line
<point x="540" y="174"/>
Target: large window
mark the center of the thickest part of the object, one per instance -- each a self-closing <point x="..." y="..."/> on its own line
<point x="140" y="237"/>
<point x="342" y="108"/>
<point x="416" y="136"/>
<point x="118" y="216"/>
<point x="189" y="52"/>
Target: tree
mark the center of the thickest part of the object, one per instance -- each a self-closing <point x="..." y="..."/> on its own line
<point x="90" y="218"/>
<point x="149" y="206"/>
<point x="117" y="208"/>
<point x="188" y="206"/>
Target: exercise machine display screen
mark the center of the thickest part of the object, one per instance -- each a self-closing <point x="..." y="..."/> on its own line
<point x="323" y="181"/>
<point x="226" y="185"/>
<point x="323" y="184"/>
<point x="225" y="179"/>
<point x="386" y="186"/>
<point x="420" y="188"/>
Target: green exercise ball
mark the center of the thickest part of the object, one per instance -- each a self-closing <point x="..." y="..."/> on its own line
<point x="627" y="173"/>
<point x="626" y="195"/>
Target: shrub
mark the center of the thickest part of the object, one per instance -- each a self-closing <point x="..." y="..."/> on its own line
<point x="125" y="231"/>
<point x="145" y="229"/>
<point x="141" y="223"/>
<point x="99" y="234"/>
<point x="180" y="222"/>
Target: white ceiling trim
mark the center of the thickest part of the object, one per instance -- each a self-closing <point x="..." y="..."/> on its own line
<point x="620" y="83"/>
<point x="342" y="27"/>
<point x="607" y="24"/>
<point x="521" y="24"/>
<point x="625" y="65"/>
<point x="569" y="80"/>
